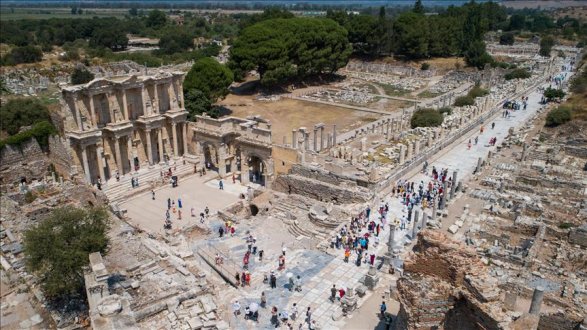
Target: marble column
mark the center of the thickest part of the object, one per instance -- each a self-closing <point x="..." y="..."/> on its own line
<point x="294" y="138"/>
<point x="145" y="100"/>
<point x="444" y="192"/>
<point x="321" y="138"/>
<point x="155" y="104"/>
<point x="149" y="146"/>
<point x="536" y="300"/>
<point x="100" y="162"/>
<point x="402" y="154"/>
<point x="315" y="139"/>
<point x="184" y="137"/>
<point x="118" y="155"/>
<point x="415" y="221"/>
<point x="222" y="160"/>
<point x="409" y="153"/>
<point x="334" y="135"/>
<point x="453" y="186"/>
<point x="160" y="143"/>
<point x="391" y="239"/>
<point x="416" y="148"/>
<point x="86" y="165"/>
<point x="306" y="140"/>
<point x="78" y="116"/>
<point x="479" y="162"/>
<point x="129" y="150"/>
<point x="434" y="206"/>
<point x="174" y="132"/>
<point x="244" y="171"/>
<point x="93" y="112"/>
<point x="125" y="105"/>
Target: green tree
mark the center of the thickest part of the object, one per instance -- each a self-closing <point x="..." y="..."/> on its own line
<point x="517" y="22"/>
<point x="552" y="93"/>
<point x="418" y="7"/>
<point x="285" y="49"/>
<point x="109" y="37"/>
<point x="477" y="56"/>
<point x="57" y="249"/>
<point x="210" y="77"/>
<point x="546" y="44"/>
<point x="20" y="112"/>
<point x="558" y="116"/>
<point x="25" y="54"/>
<point x="426" y="118"/>
<point x="506" y="39"/>
<point x="410" y="32"/>
<point x="175" y="41"/>
<point x="520" y="73"/>
<point x="196" y="103"/>
<point x="81" y="75"/>
<point x="133" y="11"/>
<point x="156" y="19"/>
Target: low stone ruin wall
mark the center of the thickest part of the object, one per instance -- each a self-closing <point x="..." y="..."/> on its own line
<point x="320" y="190"/>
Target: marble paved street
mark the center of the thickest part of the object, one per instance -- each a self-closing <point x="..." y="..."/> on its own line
<point x="319" y="271"/>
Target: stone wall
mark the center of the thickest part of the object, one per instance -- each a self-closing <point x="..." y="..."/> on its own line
<point x="60" y="155"/>
<point x="320" y="190"/>
<point x="30" y="161"/>
<point x="579" y="236"/>
<point x="27" y="160"/>
<point x="558" y="321"/>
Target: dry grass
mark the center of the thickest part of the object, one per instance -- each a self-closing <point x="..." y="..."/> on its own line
<point x="288" y="114"/>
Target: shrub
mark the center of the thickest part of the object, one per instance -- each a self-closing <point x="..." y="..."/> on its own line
<point x="81" y="76"/>
<point x="40" y="131"/>
<point x="506" y="39"/>
<point x="477" y="91"/>
<point x="464" y="100"/>
<point x="426" y="118"/>
<point x="57" y="249"/>
<point x="20" y="112"/>
<point x="565" y="225"/>
<point x="447" y="110"/>
<point x="553" y="93"/>
<point x="520" y="73"/>
<point x="558" y="116"/>
<point x="29" y="197"/>
<point x="425" y="66"/>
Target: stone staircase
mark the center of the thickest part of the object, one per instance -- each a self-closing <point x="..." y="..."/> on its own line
<point x="288" y="210"/>
<point x="148" y="179"/>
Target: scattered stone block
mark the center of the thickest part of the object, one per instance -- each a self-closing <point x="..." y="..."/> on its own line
<point x="453" y="229"/>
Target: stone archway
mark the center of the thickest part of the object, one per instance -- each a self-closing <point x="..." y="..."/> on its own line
<point x="256" y="168"/>
<point x="210" y="156"/>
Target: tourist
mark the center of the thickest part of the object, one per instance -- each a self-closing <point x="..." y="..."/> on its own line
<point x="274" y="317"/>
<point x="153" y="194"/>
<point x="313" y="325"/>
<point x="382" y="309"/>
<point x="99" y="183"/>
<point x="261" y="255"/>
<point x="273" y="280"/>
<point x="298" y="283"/>
<point x="193" y="212"/>
<point x="179" y="203"/>
<point x="246" y="260"/>
<point x="232" y="231"/>
<point x="308" y="315"/>
<point x="233" y="178"/>
<point x="281" y="262"/>
<point x="179" y="214"/>
<point x="237" y="278"/>
<point x="168" y="203"/>
<point x="291" y="283"/>
<point x="493" y="125"/>
<point x="469" y="145"/>
<point x="207" y="210"/>
<point x="263" y="299"/>
<point x="476" y="140"/>
<point x="347" y="254"/>
<point x="243" y="279"/>
<point x="283" y="316"/>
<point x="117" y="175"/>
<point x="333" y="292"/>
<point x="220" y="231"/>
<point x="236" y="308"/>
<point x="248" y="278"/>
<point x="341" y="293"/>
<point x="220" y="185"/>
<point x="372" y="259"/>
<point x="294" y="312"/>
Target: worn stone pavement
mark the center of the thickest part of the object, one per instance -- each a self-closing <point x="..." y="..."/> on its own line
<point x="319" y="271"/>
